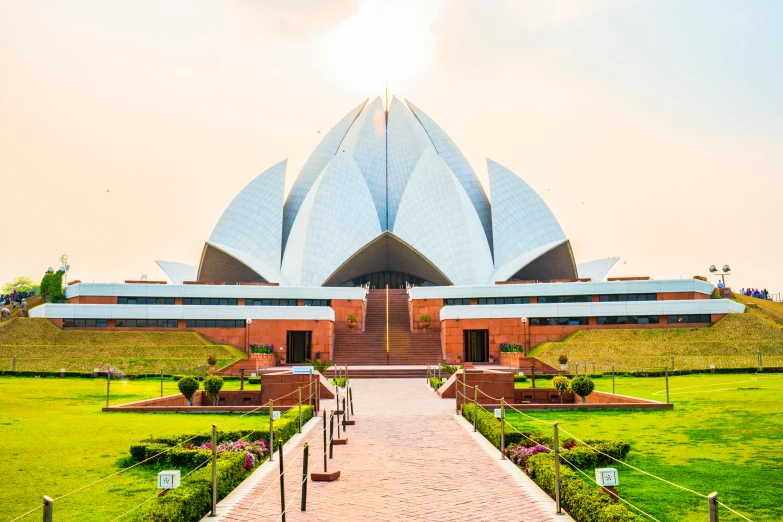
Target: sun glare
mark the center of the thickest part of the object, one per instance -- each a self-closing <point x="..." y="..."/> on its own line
<point x="380" y="43"/>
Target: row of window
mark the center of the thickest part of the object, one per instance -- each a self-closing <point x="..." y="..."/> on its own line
<point x="558" y="321"/>
<point x="560" y="299"/>
<point x="212" y="301"/>
<point x="631" y="319"/>
<point x="145" y="300"/>
<point x="698" y="318"/>
<point x="215" y="323"/>
<point x="83" y="323"/>
<point x="503" y="300"/>
<point x="627" y="297"/>
<point x="146" y="323"/>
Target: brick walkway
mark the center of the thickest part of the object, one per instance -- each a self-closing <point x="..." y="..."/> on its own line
<point x="407" y="458"/>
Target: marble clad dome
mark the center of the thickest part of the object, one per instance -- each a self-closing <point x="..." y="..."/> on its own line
<point x="386" y="192"/>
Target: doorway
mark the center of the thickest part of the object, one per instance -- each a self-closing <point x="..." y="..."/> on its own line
<point x="297" y="346"/>
<point x="476" y="343"/>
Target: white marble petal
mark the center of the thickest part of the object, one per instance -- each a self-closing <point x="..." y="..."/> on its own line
<point x="597" y="269"/>
<point x="178" y="272"/>
<point x="446" y="229"/>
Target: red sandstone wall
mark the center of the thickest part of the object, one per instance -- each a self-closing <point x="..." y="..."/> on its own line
<point x="89" y="299"/>
<point x="274" y="332"/>
<point x="342" y="308"/>
<point x="429" y="307"/>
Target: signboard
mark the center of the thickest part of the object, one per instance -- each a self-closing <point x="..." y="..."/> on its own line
<point x="606" y="477"/>
<point x="302" y="370"/>
<point x="275" y="415"/>
<point x="498" y="413"/>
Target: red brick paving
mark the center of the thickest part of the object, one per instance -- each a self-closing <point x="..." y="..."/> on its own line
<point x="407" y="458"/>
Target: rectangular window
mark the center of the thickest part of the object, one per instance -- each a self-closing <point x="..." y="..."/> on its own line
<point x="612" y="298"/>
<point x="560" y="299"/>
<point x="456" y="302"/>
<point x="698" y="318"/>
<point x="558" y="321"/>
<point x="316" y="302"/>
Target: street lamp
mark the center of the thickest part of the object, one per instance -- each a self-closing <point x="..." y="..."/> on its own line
<point x="524" y="344"/>
<point x="726" y="270"/>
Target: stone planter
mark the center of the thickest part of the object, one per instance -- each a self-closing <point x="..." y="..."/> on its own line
<point x="211" y="369"/>
<point x="424" y="325"/>
<point x="564" y="366"/>
<point x="264" y="360"/>
<point x="511" y="359"/>
<point x="351" y="324"/>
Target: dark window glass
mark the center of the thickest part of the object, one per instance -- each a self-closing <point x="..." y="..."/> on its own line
<point x="456" y="302"/>
<point x="68" y="323"/>
<point x="90" y="323"/>
<point x="190" y="323"/>
<point x="171" y="323"/>
<point x="210" y="323"/>
<point x="122" y="300"/>
<point x="220" y="323"/>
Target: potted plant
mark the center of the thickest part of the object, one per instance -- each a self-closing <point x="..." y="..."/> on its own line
<point x="424" y="321"/>
<point x="459" y="359"/>
<point x="263" y="354"/>
<point x="563" y="359"/>
<point x="491" y="359"/>
<point x="510" y="353"/>
<point x="282" y="357"/>
<point x="351" y="321"/>
<point x="211" y="361"/>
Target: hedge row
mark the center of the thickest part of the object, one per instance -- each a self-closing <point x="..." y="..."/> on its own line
<point x="193" y="499"/>
<point x="582" y="501"/>
<point x="435" y="383"/>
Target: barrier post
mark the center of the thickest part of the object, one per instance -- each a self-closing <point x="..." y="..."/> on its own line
<point x="304" y="474"/>
<point x="344" y="414"/>
<point x="761" y="361"/>
<point x="576" y="372"/>
<point x="613" y="379"/>
<point x="14" y="365"/>
<point x="282" y="485"/>
<point x="241" y="379"/>
<point x="214" y="471"/>
<point x="108" y="386"/>
<point x="464" y="385"/>
<point x="712" y="498"/>
<point x="325" y="440"/>
<point x="350" y="398"/>
<point x="47" y="509"/>
<point x="533" y="376"/>
<point x="299" y="393"/>
<point x="338" y="420"/>
<point x="672" y="362"/>
<point x="161" y="382"/>
<point x="271" y="431"/>
<point x="557" y="469"/>
<point x="667" y="386"/>
<point x="347" y="377"/>
<point x="475" y="405"/>
<point x="310" y="389"/>
<point x="331" y="434"/>
<point x="502" y="428"/>
<point x="428" y="374"/>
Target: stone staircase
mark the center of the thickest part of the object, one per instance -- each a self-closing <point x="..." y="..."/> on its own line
<point x="368" y="348"/>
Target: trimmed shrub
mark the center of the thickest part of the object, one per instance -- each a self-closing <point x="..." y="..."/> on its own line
<point x="339" y="381"/>
<point x="489" y="426"/>
<point x="581" y="457"/>
<point x="595" y="375"/>
<point x="520" y="377"/>
<point x="616" y="448"/>
<point x="582" y="386"/>
<point x="584" y="502"/>
<point x="562" y="384"/>
<point x="188" y="386"/>
<point x="253" y="380"/>
<point x="435" y="383"/>
<point x="212" y="386"/>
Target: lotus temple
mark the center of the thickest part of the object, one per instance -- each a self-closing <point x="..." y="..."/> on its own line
<point x="388" y="250"/>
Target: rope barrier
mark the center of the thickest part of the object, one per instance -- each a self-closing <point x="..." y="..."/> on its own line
<point x="738" y="514"/>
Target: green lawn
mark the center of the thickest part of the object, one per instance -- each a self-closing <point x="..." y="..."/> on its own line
<point x="55" y="439"/>
<point x="724" y="435"/>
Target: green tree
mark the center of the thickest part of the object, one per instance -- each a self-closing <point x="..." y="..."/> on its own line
<point x="188" y="386"/>
<point x="21" y="283"/>
<point x="52" y="287"/>
<point x="562" y="384"/>
<point x="212" y="385"/>
<point x="583" y="387"/>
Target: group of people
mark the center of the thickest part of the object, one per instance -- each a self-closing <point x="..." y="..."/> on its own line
<point x="14" y="300"/>
<point x="755" y="292"/>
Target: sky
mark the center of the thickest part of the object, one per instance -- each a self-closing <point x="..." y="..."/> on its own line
<point x="652" y="129"/>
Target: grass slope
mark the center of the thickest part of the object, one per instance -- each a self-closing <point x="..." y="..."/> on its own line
<point x="722" y="436"/>
<point x="734" y="341"/>
<point x="56" y="439"/>
<point x="41" y="346"/>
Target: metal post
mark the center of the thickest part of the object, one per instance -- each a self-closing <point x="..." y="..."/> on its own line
<point x="325" y="440"/>
<point x="304" y="476"/>
<point x="47" y="509"/>
<point x="108" y="386"/>
<point x="502" y="428"/>
<point x="14" y="366"/>
<point x="613" y="379"/>
<point x="299" y="393"/>
<point x="331" y="434"/>
<point x="712" y="498"/>
<point x="310" y="390"/>
<point x="576" y="373"/>
<point x="338" y="419"/>
<point x="557" y="470"/>
<point x="347" y="377"/>
<point x="344" y="414"/>
<point x="161" y="382"/>
<point x="667" y="386"/>
<point x="761" y="361"/>
<point x="350" y="398"/>
<point x="214" y="471"/>
<point x="428" y="374"/>
<point x="475" y="405"/>
<point x="282" y="485"/>
<point x="464" y="386"/>
<point x="672" y="362"/>
<point x="533" y="376"/>
<point x="241" y="378"/>
<point x="271" y="431"/>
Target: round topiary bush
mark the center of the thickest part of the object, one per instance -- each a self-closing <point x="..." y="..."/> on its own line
<point x="188" y="386"/>
<point x="562" y="384"/>
<point x="213" y="385"/>
<point x="583" y="387"/>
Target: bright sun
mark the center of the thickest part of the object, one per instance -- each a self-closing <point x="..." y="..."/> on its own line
<point x="382" y="42"/>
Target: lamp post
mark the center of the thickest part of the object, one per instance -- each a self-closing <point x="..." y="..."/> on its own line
<point x="524" y="340"/>
<point x="726" y="270"/>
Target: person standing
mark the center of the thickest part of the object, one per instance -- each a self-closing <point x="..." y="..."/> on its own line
<point x="23" y="309"/>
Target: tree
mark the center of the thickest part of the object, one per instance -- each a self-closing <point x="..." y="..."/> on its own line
<point x="21" y="284"/>
<point x="583" y="387"/>
<point x="212" y="385"/>
<point x="562" y="384"/>
<point x="52" y="287"/>
<point x="188" y="386"/>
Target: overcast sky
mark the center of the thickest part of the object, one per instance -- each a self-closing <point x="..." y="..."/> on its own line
<point x="653" y="129"/>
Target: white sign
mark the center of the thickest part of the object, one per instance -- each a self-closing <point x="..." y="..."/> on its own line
<point x="606" y="477"/>
<point x="275" y="415"/>
<point x="498" y="413"/>
<point x="302" y="370"/>
<point x="168" y="479"/>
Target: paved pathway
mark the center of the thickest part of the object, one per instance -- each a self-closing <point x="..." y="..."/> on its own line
<point x="407" y="458"/>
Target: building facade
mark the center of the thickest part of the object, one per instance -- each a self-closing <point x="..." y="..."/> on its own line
<point x="388" y="200"/>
